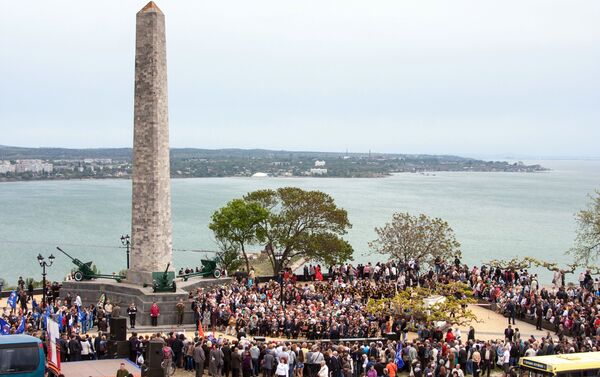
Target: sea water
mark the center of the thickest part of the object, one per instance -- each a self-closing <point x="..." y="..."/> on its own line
<point x="494" y="215"/>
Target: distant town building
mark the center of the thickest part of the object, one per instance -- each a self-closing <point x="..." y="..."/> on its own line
<point x="103" y="161"/>
<point x="318" y="171"/>
<point x="6" y="167"/>
<point x="34" y="166"/>
<point x="319" y="163"/>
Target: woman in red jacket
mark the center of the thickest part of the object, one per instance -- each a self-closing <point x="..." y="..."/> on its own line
<point x="154" y="313"/>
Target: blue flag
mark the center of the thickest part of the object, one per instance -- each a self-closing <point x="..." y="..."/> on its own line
<point x="80" y="315"/>
<point x="12" y="299"/>
<point x="21" y="328"/>
<point x="46" y="316"/>
<point x="399" y="361"/>
<point x="60" y="320"/>
<point x="4" y="327"/>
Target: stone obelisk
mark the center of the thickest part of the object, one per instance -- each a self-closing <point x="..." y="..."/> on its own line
<point x="151" y="243"/>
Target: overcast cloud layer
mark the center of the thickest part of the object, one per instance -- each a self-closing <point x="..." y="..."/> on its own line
<point x="463" y="77"/>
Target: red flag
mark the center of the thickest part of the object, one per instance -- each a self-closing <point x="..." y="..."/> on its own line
<point x="200" y="330"/>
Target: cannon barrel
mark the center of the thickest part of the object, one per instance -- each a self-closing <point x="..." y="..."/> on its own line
<point x="167" y="269"/>
<point x="64" y="252"/>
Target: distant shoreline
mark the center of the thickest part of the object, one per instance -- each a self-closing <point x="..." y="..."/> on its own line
<point x="29" y="164"/>
<point x="128" y="178"/>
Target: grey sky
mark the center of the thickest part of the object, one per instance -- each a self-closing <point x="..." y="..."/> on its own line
<point x="464" y="77"/>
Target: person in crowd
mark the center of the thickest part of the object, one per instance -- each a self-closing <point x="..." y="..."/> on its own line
<point x="122" y="371"/>
<point x="282" y="369"/>
<point x="132" y="313"/>
<point x="154" y="313"/>
<point x="180" y="308"/>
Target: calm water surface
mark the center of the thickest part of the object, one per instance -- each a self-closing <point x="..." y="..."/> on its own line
<point x="494" y="215"/>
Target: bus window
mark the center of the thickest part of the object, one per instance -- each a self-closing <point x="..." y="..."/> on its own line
<point x="18" y="359"/>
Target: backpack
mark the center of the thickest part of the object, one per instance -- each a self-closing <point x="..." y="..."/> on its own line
<point x="102" y="346"/>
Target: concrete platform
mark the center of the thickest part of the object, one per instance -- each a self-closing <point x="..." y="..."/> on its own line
<point x="124" y="294"/>
<point x="98" y="368"/>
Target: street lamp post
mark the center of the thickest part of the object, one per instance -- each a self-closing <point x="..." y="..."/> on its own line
<point x="126" y="241"/>
<point x="43" y="265"/>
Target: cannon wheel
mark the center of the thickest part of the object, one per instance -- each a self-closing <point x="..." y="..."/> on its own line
<point x="78" y="276"/>
<point x="217" y="274"/>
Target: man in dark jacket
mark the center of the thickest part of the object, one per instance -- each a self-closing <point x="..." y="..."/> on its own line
<point x="134" y="344"/>
<point x="236" y="363"/>
<point x="539" y="314"/>
<point x="509" y="333"/>
<point x="335" y="365"/>
<point x="64" y="348"/>
<point x="227" y="358"/>
<point x="199" y="359"/>
<point x="511" y="312"/>
<point x="75" y="349"/>
<point x="177" y="348"/>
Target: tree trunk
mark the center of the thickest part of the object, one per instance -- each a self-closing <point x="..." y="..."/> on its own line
<point x="245" y="258"/>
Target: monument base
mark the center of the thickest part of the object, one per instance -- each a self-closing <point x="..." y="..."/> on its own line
<point x="125" y="293"/>
<point x="139" y="277"/>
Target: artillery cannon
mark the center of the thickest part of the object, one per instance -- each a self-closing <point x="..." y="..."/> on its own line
<point x="164" y="281"/>
<point x="85" y="271"/>
<point x="209" y="268"/>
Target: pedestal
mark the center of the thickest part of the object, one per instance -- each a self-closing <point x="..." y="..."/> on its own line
<point x="124" y="294"/>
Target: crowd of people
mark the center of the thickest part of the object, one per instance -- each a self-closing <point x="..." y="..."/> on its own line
<point x="321" y="313"/>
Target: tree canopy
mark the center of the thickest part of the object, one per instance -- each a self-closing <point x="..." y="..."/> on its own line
<point x="421" y="238"/>
<point x="587" y="238"/>
<point x="301" y="224"/>
<point x="411" y="302"/>
<point x="235" y="226"/>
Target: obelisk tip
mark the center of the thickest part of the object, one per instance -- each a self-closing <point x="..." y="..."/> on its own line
<point x="150" y="7"/>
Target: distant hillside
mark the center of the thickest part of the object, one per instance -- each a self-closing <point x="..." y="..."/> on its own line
<point x="15" y="153"/>
<point x="101" y="163"/>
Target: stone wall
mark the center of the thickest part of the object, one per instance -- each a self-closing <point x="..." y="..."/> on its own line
<point x="123" y="294"/>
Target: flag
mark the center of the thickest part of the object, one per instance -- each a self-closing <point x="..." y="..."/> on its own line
<point x="60" y="321"/>
<point x="12" y="299"/>
<point x="46" y="315"/>
<point x="399" y="361"/>
<point x="200" y="330"/>
<point x="80" y="315"/>
<point x="21" y="328"/>
<point x="4" y="327"/>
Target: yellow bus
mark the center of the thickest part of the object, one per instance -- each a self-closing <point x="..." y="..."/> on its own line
<point x="584" y="364"/>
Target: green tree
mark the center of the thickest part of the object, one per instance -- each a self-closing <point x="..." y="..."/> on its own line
<point x="587" y="238"/>
<point x="411" y="302"/>
<point x="421" y="238"/>
<point x="228" y="256"/>
<point x="301" y="224"/>
<point x="237" y="224"/>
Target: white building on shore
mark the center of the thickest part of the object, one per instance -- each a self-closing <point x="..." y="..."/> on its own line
<point x="34" y="166"/>
<point x="6" y="167"/>
<point x="318" y="171"/>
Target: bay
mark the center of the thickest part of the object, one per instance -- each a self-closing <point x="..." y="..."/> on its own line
<point x="494" y="215"/>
